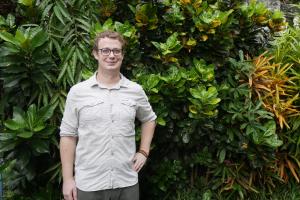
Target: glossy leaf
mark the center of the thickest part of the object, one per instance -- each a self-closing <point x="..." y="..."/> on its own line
<point x="39" y="39"/>
<point x="9" y="38"/>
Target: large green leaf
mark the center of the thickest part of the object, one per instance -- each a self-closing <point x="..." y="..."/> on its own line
<point x="39" y="39"/>
<point x="6" y="136"/>
<point x="58" y="14"/>
<point x="31" y="116"/>
<point x="45" y="133"/>
<point x="9" y="49"/>
<point x="199" y="92"/>
<point x="46" y="11"/>
<point x="270" y="128"/>
<point x="161" y="121"/>
<point x="25" y="134"/>
<point x="84" y="24"/>
<point x="9" y="38"/>
<point x="20" y="36"/>
<point x="40" y="146"/>
<point x="273" y="141"/>
<point x="39" y="126"/>
<point x="270" y="136"/>
<point x="63" y="9"/>
<point x="7" y="146"/>
<point x="26" y="2"/>
<point x="126" y="29"/>
<point x="10" y="20"/>
<point x="222" y="155"/>
<point x="11" y="82"/>
<point x="2" y="20"/>
<point x="12" y="125"/>
<point x="171" y="46"/>
<point x="18" y="116"/>
<point x="145" y="15"/>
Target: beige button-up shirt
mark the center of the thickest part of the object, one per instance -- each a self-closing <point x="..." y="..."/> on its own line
<point x="103" y="120"/>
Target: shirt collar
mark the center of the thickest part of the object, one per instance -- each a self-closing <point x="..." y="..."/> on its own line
<point x="124" y="82"/>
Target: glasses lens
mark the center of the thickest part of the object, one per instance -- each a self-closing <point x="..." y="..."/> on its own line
<point x="105" y="51"/>
<point x="117" y="51"/>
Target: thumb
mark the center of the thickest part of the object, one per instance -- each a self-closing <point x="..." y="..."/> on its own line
<point x="134" y="158"/>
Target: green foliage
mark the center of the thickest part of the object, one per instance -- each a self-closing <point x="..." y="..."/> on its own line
<point x="286" y="50"/>
<point x="171" y="46"/>
<point x="290" y="191"/>
<point x="7" y="24"/>
<point x="287" y="47"/>
<point x="174" y="15"/>
<point x="185" y="90"/>
<point x="26" y="138"/>
<point x="25" y="66"/>
<point x="215" y="138"/>
<point x="68" y="26"/>
<point x="169" y="172"/>
<point x="145" y="16"/>
<point x="210" y="19"/>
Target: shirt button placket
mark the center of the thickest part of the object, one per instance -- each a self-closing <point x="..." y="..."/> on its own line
<point x="111" y="148"/>
<point x="111" y="177"/>
<point x="112" y="167"/>
<point x="112" y="137"/>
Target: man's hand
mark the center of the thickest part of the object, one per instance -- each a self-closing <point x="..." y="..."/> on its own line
<point x="69" y="190"/>
<point x="139" y="161"/>
<point x="146" y="138"/>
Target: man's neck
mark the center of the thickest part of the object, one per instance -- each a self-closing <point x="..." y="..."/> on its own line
<point x="108" y="78"/>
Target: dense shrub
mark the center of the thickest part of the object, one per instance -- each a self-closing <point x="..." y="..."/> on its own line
<point x="228" y="112"/>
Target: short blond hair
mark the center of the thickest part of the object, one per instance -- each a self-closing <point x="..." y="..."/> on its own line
<point x="109" y="34"/>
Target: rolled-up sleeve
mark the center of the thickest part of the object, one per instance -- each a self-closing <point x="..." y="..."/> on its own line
<point x="144" y="112"/>
<point x="69" y="123"/>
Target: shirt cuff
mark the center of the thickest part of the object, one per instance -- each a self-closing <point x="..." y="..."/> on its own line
<point x="151" y="117"/>
<point x="67" y="130"/>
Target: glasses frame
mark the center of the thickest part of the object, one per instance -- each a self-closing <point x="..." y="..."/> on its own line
<point x="111" y="50"/>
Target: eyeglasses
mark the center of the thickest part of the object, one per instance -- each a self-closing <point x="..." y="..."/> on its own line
<point x="107" y="51"/>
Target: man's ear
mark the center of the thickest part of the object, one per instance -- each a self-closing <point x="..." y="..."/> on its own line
<point x="95" y="54"/>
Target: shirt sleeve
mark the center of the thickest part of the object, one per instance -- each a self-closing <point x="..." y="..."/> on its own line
<point x="144" y="110"/>
<point x="69" y="122"/>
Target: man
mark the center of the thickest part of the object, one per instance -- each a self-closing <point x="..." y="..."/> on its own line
<point x="97" y="130"/>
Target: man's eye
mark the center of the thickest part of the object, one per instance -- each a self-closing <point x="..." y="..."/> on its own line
<point x="117" y="51"/>
<point x="106" y="51"/>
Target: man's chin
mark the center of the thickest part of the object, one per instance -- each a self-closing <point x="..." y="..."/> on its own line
<point x="111" y="67"/>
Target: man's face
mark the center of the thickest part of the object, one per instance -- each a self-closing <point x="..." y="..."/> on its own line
<point x="109" y="54"/>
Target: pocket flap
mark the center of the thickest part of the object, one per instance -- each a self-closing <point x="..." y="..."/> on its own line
<point x="92" y="103"/>
<point x="128" y="102"/>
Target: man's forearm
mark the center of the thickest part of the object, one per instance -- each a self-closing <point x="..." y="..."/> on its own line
<point x="147" y="135"/>
<point x="67" y="156"/>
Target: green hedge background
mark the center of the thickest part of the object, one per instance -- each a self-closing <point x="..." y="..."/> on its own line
<point x="222" y="76"/>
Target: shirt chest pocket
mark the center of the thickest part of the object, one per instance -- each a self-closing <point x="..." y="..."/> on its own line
<point x="127" y="110"/>
<point x="92" y="110"/>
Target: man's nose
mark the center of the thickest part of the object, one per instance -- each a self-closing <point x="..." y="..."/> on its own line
<point x="111" y="54"/>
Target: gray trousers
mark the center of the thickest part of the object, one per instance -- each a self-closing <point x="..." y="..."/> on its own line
<point x="126" y="193"/>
